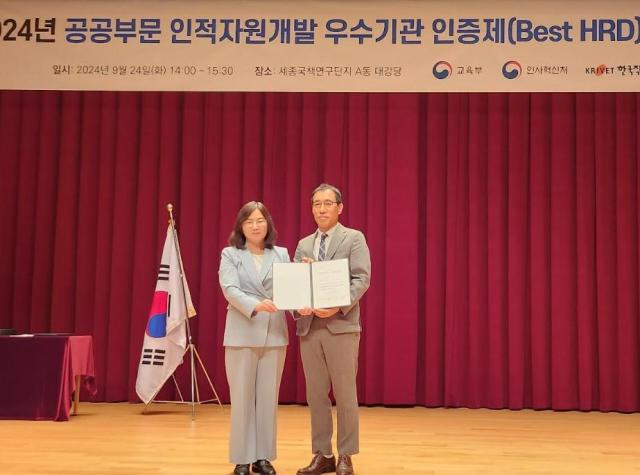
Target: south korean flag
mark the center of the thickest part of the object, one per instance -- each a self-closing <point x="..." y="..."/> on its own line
<point x="165" y="337"/>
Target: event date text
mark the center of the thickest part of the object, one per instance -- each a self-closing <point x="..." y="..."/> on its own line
<point x="144" y="70"/>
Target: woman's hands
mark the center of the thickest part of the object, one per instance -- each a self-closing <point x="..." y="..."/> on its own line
<point x="266" y="306"/>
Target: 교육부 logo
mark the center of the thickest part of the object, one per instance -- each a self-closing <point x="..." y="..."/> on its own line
<point x="442" y="70"/>
<point x="511" y="69"/>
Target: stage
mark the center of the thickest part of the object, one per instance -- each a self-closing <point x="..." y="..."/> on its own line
<point x="118" y="439"/>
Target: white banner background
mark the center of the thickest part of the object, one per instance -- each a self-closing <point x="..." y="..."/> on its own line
<point x="564" y="57"/>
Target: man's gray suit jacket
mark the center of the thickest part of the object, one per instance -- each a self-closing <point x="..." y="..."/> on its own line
<point x="345" y="243"/>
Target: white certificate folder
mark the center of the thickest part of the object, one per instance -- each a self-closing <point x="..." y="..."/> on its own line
<point x="320" y="284"/>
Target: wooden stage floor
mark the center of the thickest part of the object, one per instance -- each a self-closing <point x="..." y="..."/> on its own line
<point x="118" y="439"/>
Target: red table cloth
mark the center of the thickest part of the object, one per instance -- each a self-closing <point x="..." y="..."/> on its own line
<point x="37" y="375"/>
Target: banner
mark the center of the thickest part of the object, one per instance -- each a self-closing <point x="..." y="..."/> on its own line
<point x="297" y="45"/>
<point x="165" y="335"/>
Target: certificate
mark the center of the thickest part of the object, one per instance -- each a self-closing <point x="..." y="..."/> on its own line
<point x="321" y="284"/>
<point x="291" y="285"/>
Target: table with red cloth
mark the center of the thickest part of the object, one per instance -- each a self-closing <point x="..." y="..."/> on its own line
<point x="39" y="374"/>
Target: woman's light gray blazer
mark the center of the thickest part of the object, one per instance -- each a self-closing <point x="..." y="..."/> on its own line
<point x="244" y="288"/>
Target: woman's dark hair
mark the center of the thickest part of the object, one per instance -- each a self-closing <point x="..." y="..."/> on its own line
<point x="237" y="238"/>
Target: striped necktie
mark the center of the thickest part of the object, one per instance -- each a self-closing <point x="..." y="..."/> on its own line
<point x="322" y="252"/>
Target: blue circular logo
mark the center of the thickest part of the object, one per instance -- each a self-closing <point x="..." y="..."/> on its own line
<point x="442" y="70"/>
<point x="511" y="69"/>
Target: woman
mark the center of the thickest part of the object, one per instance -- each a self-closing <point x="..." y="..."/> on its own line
<point x="255" y="338"/>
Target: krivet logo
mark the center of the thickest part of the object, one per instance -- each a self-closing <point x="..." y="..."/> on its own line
<point x="442" y="70"/>
<point x="511" y="69"/>
<point x="600" y="70"/>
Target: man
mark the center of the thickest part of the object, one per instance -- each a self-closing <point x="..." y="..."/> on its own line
<point x="330" y="337"/>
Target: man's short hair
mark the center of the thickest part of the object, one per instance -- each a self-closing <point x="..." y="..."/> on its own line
<point x="325" y="187"/>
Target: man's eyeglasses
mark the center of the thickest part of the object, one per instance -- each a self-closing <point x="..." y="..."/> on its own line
<point x="325" y="203"/>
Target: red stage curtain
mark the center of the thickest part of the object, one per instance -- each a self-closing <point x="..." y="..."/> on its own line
<point x="503" y="230"/>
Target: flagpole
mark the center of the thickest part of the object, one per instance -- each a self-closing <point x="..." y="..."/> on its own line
<point x="172" y="224"/>
<point x="193" y="353"/>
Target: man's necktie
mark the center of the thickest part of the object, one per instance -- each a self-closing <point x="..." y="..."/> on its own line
<point x="322" y="252"/>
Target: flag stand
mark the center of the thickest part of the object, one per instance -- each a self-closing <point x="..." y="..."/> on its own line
<point x="191" y="347"/>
